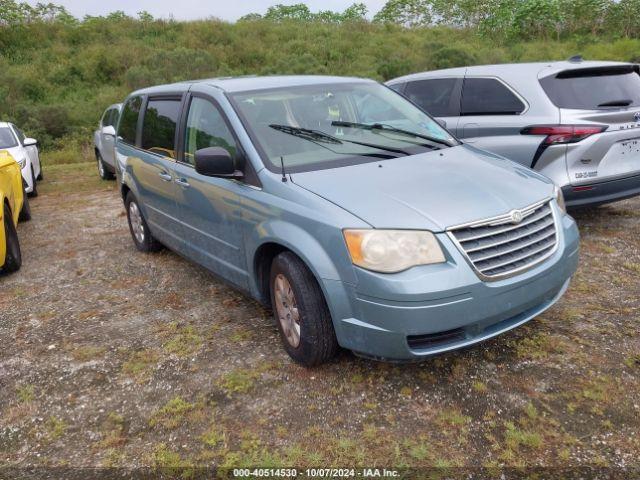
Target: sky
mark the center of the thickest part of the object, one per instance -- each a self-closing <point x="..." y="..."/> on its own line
<point x="229" y="10"/>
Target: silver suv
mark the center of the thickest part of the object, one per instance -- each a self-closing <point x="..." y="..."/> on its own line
<point x="576" y="122"/>
<point x="104" y="141"/>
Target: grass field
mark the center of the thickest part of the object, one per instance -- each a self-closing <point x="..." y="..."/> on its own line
<point x="121" y="359"/>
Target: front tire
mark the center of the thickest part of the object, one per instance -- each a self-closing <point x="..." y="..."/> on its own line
<point x="34" y="191"/>
<point x="25" y="211"/>
<point x="13" y="258"/>
<point x="301" y="312"/>
<point x="140" y="233"/>
<point x="102" y="169"/>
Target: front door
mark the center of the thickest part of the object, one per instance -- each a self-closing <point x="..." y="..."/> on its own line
<point x="108" y="141"/>
<point x="210" y="207"/>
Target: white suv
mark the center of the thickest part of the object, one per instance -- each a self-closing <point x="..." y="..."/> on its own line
<point x="104" y="141"/>
<point x="576" y="122"/>
<point x="25" y="151"/>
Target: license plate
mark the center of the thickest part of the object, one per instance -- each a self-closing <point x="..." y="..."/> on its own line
<point x="630" y="147"/>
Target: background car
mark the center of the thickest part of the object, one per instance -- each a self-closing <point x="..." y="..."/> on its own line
<point x="576" y="122"/>
<point x="104" y="141"/>
<point x="346" y="209"/>
<point x="15" y="208"/>
<point x="25" y="151"/>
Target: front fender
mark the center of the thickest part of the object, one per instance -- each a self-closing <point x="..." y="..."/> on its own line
<point x="128" y="183"/>
<point x="323" y="264"/>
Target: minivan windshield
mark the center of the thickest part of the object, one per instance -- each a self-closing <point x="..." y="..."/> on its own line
<point x="7" y="139"/>
<point x="320" y="126"/>
<point x="594" y="88"/>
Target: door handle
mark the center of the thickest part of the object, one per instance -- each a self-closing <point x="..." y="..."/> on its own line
<point x="165" y="176"/>
<point x="182" y="182"/>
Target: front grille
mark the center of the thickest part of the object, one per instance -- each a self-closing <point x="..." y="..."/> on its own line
<point x="499" y="247"/>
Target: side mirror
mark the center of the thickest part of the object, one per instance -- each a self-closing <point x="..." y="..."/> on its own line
<point x="109" y="130"/>
<point x="215" y="162"/>
<point x="441" y="122"/>
<point x="27" y="142"/>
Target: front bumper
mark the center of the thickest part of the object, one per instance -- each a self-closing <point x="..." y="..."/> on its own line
<point x="602" y="192"/>
<point x="433" y="309"/>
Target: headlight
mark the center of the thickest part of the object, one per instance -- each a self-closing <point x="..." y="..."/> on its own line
<point x="390" y="251"/>
<point x="22" y="162"/>
<point x="560" y="199"/>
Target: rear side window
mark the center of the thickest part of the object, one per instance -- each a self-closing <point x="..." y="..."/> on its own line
<point x="159" y="126"/>
<point x="489" y="96"/>
<point x="129" y="123"/>
<point x="435" y="96"/>
<point x="594" y="88"/>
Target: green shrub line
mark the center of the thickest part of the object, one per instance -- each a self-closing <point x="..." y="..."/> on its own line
<point x="58" y="73"/>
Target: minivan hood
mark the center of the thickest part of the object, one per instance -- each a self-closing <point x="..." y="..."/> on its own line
<point x="432" y="190"/>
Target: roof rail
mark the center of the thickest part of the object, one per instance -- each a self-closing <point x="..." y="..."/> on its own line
<point x="576" y="59"/>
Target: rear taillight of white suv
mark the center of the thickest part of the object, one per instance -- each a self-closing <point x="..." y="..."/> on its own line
<point x="559" y="134"/>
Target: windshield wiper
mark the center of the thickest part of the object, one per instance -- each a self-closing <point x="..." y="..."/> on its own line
<point x="390" y="128"/>
<point x="617" y="103"/>
<point x="315" y="135"/>
<point x="319" y="136"/>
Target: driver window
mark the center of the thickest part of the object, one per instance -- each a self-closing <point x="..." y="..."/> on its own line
<point x="206" y="128"/>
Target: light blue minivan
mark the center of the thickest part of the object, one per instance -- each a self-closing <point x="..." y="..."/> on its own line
<point x="342" y="206"/>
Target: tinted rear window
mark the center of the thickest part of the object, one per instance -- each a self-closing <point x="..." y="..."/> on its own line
<point x="489" y="96"/>
<point x="129" y="122"/>
<point x="594" y="88"/>
<point x="435" y="96"/>
<point x="159" y="126"/>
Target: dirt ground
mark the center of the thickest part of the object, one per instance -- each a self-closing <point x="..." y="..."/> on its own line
<point x="114" y="358"/>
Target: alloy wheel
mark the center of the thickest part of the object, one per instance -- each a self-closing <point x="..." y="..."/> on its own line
<point x="287" y="310"/>
<point x="135" y="217"/>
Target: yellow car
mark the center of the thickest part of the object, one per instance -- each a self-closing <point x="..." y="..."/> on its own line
<point x="15" y="208"/>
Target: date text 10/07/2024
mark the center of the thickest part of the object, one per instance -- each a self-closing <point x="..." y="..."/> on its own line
<point x="316" y="472"/>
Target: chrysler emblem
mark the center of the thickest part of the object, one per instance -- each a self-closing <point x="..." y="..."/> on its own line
<point x="636" y="117"/>
<point x="516" y="216"/>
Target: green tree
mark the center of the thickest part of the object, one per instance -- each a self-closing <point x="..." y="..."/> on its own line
<point x="298" y="11"/>
<point x="624" y="16"/>
<point x="250" y="17"/>
<point x="356" y="12"/>
<point x="408" y="13"/>
<point x="584" y="16"/>
<point x="145" y="16"/>
<point x="11" y="13"/>
<point x="537" y="19"/>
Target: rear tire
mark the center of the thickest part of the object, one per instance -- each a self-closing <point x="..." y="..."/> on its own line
<point x="34" y="192"/>
<point x="104" y="173"/>
<point x="25" y="211"/>
<point x="140" y="233"/>
<point x="301" y="312"/>
<point x="13" y="258"/>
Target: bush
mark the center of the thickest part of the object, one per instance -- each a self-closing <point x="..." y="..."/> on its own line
<point x="57" y="77"/>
